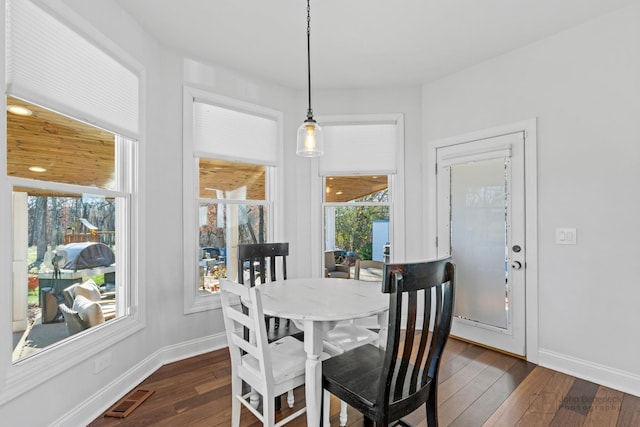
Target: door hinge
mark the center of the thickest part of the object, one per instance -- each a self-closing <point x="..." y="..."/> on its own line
<point x="436" y="242"/>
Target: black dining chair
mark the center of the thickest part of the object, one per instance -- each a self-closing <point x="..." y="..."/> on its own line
<point x="386" y="384"/>
<point x="258" y="262"/>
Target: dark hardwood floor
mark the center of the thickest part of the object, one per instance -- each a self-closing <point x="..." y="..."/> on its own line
<point x="478" y="387"/>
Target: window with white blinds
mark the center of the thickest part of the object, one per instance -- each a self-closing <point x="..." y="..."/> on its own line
<point x="50" y="64"/>
<point x="226" y="133"/>
<point x="231" y="157"/>
<point x="84" y="85"/>
<point x="359" y="149"/>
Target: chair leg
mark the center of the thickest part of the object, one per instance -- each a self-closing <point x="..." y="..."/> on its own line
<point x="254" y="399"/>
<point x="343" y="413"/>
<point x="326" y="410"/>
<point x="431" y="408"/>
<point x="236" y="390"/>
<point x="290" y="398"/>
<point x="268" y="413"/>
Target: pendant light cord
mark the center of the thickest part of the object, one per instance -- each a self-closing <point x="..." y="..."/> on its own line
<point x="309" y="111"/>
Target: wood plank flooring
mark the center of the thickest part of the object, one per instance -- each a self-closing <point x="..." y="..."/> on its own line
<point x="478" y="387"/>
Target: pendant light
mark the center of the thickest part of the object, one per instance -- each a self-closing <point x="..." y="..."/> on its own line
<point x="309" y="133"/>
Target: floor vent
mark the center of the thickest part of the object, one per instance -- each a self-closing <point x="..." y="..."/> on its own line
<point x="127" y="404"/>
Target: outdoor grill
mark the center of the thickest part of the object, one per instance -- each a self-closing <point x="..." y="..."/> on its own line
<point x="73" y="263"/>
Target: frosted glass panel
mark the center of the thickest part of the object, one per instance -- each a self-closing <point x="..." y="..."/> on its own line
<point x="478" y="240"/>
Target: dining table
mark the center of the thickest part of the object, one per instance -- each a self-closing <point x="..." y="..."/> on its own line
<point x="317" y="305"/>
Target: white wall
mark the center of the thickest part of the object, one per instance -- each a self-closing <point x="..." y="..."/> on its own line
<point x="583" y="85"/>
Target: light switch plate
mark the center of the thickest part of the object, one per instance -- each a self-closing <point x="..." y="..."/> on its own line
<point x="566" y="236"/>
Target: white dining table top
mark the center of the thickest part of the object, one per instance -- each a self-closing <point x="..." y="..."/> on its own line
<point x="323" y="299"/>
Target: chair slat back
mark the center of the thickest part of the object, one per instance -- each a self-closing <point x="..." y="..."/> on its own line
<point x="414" y="350"/>
<point x="257" y="257"/>
<point x="251" y="317"/>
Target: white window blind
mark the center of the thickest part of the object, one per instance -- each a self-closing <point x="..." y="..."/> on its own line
<point x="221" y="132"/>
<point x="50" y="64"/>
<point x="359" y="149"/>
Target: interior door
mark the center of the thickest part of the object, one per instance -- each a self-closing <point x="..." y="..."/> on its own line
<point x="481" y="224"/>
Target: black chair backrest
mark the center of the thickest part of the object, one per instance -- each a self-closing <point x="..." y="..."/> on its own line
<point x="257" y="256"/>
<point x="412" y="357"/>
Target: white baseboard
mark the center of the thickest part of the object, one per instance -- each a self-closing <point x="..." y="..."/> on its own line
<point x="604" y="375"/>
<point x="95" y="405"/>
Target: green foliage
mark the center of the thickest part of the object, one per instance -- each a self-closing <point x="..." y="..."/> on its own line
<point x="366" y="252"/>
<point x="354" y="223"/>
<point x="98" y="279"/>
<point x="32" y="296"/>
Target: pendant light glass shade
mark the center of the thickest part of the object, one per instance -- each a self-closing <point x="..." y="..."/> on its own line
<point x="309" y="133"/>
<point x="309" y="139"/>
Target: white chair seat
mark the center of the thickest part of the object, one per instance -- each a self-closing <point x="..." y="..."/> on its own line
<point x="368" y="322"/>
<point x="287" y="359"/>
<point x="346" y="336"/>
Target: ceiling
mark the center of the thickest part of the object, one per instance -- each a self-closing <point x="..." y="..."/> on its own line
<point x="356" y="43"/>
<point x="67" y="150"/>
<point x="72" y="152"/>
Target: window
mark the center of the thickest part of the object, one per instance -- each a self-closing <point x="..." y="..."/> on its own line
<point x="356" y="217"/>
<point x="362" y="187"/>
<point x="231" y="152"/>
<point x="71" y="164"/>
<point x="68" y="207"/>
<point x="233" y="210"/>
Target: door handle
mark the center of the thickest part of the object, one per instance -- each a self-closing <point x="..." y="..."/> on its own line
<point x="516" y="265"/>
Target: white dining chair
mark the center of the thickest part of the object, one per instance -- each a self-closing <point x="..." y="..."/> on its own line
<point x="269" y="369"/>
<point x="369" y="271"/>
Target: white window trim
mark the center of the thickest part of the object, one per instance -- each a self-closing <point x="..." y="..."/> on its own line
<point x="396" y="190"/>
<point x="193" y="301"/>
<point x="28" y="373"/>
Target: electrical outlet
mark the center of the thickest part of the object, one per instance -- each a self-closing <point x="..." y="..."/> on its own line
<point x="102" y="362"/>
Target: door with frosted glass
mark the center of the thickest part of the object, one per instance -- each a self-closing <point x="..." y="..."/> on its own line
<point x="481" y="224"/>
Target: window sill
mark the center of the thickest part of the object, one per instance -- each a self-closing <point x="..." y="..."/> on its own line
<point x="203" y="301"/>
<point x="30" y="372"/>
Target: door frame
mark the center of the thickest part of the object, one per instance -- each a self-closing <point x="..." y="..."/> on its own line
<point x="529" y="128"/>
